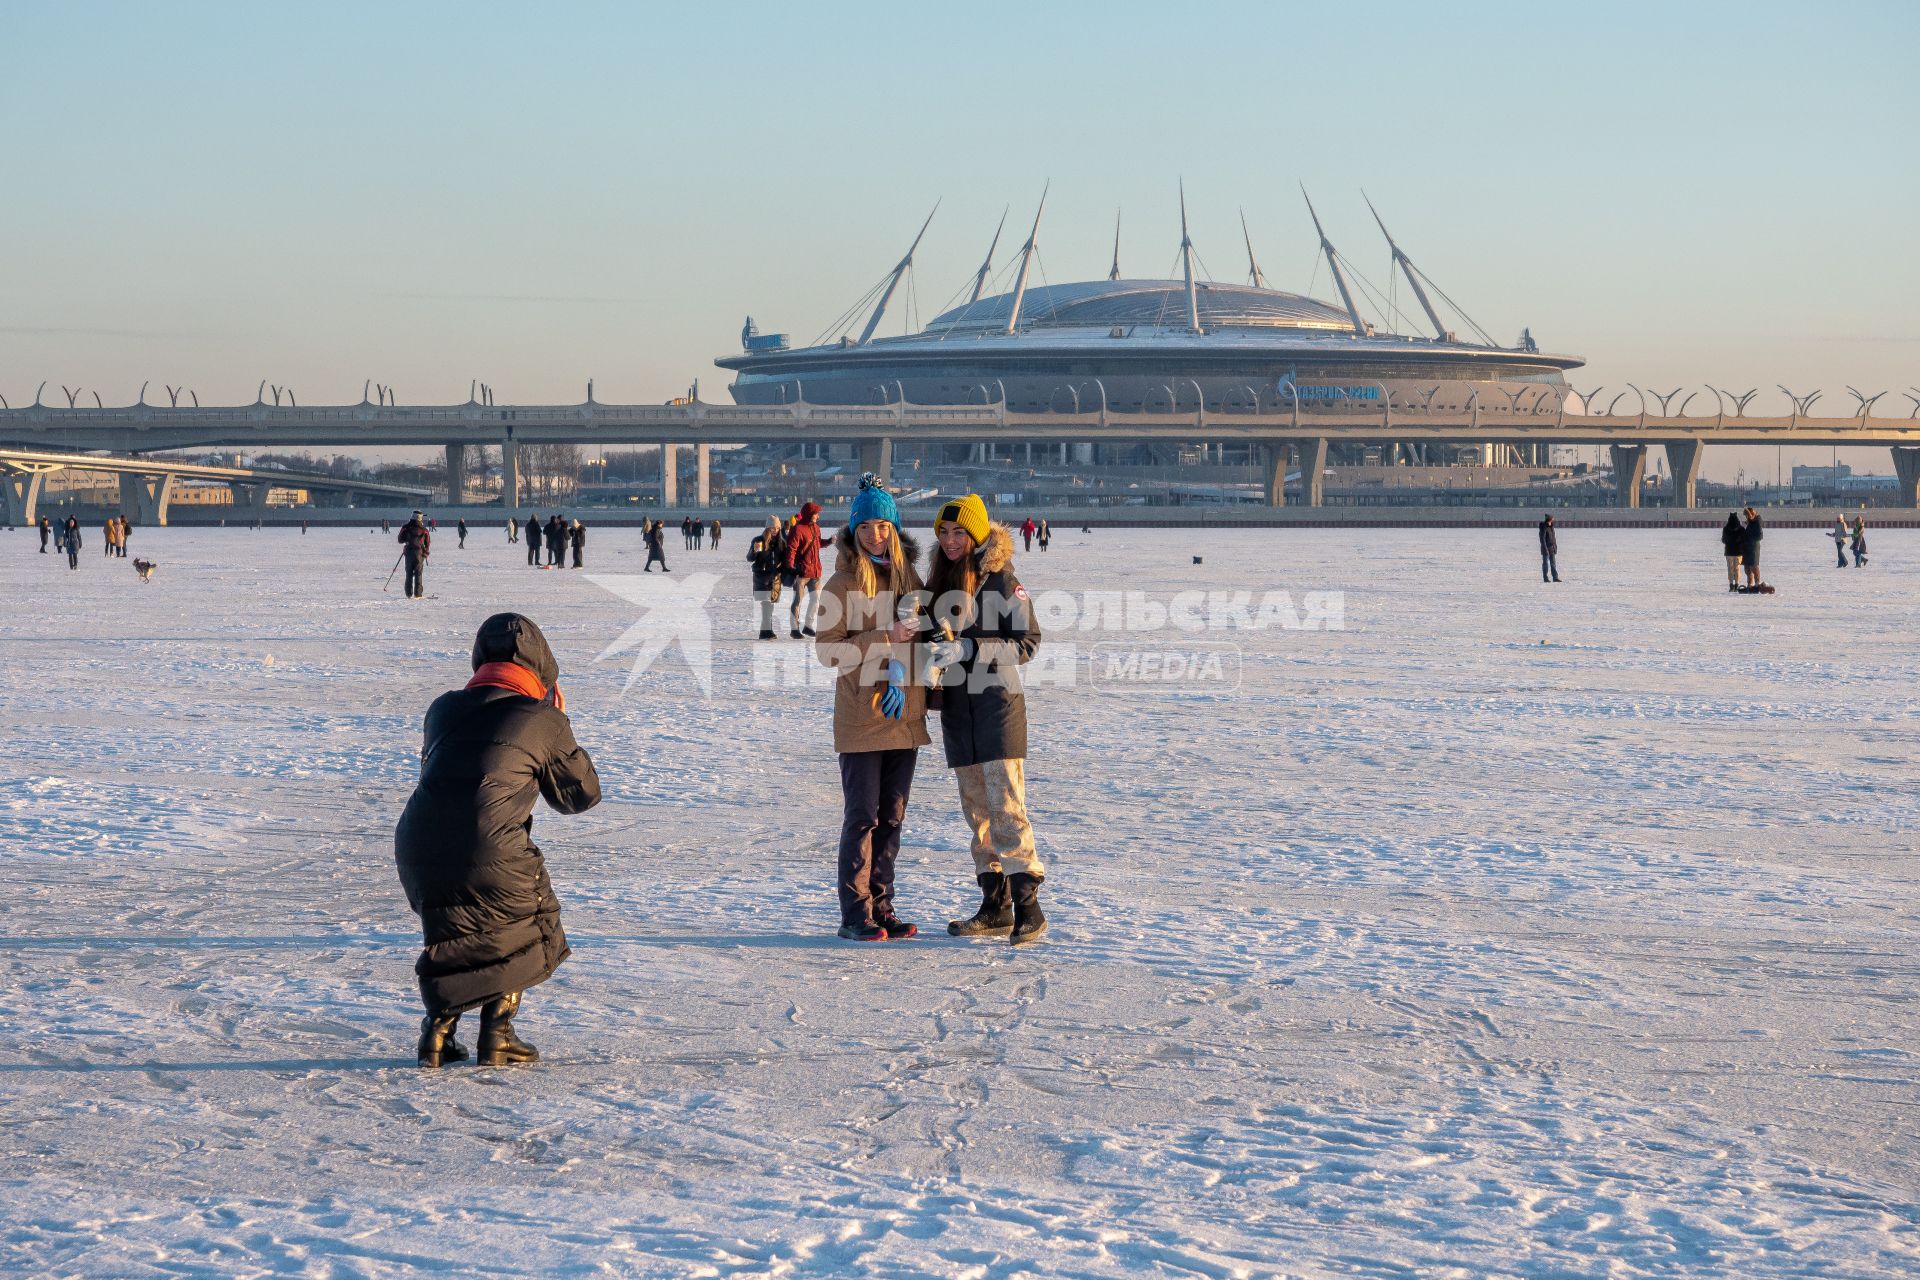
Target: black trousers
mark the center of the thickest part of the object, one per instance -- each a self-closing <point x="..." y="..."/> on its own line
<point x="533" y="552"/>
<point x="875" y="786"/>
<point x="416" y="583"/>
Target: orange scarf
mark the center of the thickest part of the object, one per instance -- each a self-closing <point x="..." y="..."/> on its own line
<point x="515" y="678"/>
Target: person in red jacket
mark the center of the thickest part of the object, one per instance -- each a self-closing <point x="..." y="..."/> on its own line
<point x="803" y="566"/>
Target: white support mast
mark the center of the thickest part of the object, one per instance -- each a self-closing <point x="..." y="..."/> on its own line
<point x="1406" y="268"/>
<point x="893" y="281"/>
<point x="986" y="267"/>
<point x="1253" y="267"/>
<point x="1186" y="259"/>
<point x="1333" y="263"/>
<point x="1115" y="273"/>
<point x="1026" y="263"/>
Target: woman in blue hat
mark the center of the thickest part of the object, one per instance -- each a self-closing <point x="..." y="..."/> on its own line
<point x="869" y="617"/>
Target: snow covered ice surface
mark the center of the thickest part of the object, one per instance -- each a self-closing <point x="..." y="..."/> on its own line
<point x="1513" y="930"/>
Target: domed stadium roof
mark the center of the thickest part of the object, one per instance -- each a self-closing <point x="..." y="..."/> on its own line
<point x="1111" y="303"/>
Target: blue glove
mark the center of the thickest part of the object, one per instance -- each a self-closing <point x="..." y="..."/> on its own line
<point x="893" y="699"/>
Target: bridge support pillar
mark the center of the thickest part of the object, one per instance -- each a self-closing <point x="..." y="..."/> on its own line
<point x="1274" y="467"/>
<point x="510" y="476"/>
<point x="20" y="496"/>
<point x="1906" y="466"/>
<point x="1629" y="471"/>
<point x="877" y="456"/>
<point x="1683" y="459"/>
<point x="702" y="475"/>
<point x="144" y="499"/>
<point x="456" y="475"/>
<point x="249" y="500"/>
<point x="669" y="475"/>
<point x="1312" y="453"/>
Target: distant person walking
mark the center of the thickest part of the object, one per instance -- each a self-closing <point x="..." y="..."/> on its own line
<point x="46" y="534"/>
<point x="110" y="532"/>
<point x="656" y="536"/>
<point x="70" y="541"/>
<point x="1859" y="542"/>
<point x="699" y="534"/>
<point x="1750" y="537"/>
<point x="1549" y="551"/>
<point x="763" y="558"/>
<point x="126" y="531"/>
<point x="1733" y="541"/>
<point x="578" y="537"/>
<point x="803" y="561"/>
<point x="513" y="530"/>
<point x="416" y="541"/>
<point x="461" y="529"/>
<point x="1027" y="529"/>
<point x="1045" y="535"/>
<point x="533" y="540"/>
<point x="686" y="533"/>
<point x="714" y="531"/>
<point x="1841" y="537"/>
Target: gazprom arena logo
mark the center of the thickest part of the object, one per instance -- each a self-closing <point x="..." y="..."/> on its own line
<point x="1310" y="392"/>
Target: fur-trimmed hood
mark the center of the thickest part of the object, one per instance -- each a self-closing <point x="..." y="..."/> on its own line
<point x="847" y="552"/>
<point x="997" y="552"/>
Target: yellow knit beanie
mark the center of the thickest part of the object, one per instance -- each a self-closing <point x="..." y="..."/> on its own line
<point x="970" y="513"/>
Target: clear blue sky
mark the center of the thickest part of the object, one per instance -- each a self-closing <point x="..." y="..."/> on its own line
<point x="536" y="195"/>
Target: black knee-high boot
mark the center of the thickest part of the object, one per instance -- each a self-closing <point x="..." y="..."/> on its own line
<point x="499" y="1047"/>
<point x="437" y="1046"/>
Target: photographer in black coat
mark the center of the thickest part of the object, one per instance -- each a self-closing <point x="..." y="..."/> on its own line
<point x="464" y="845"/>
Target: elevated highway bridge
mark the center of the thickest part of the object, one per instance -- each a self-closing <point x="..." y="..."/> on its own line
<point x="1290" y="438"/>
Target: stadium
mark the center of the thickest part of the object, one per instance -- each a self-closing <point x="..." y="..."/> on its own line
<point x="1146" y="345"/>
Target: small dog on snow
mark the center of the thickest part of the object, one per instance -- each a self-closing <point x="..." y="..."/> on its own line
<point x="145" y="569"/>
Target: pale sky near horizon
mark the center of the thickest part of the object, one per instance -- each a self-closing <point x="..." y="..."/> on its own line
<point x="319" y="194"/>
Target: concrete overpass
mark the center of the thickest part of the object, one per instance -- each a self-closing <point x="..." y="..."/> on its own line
<point x="146" y="484"/>
<point x="1290" y="438"/>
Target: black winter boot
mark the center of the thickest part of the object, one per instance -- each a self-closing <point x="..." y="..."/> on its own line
<point x="437" y="1046"/>
<point x="499" y="1047"/>
<point x="994" y="919"/>
<point x="897" y="929"/>
<point x="1028" y="921"/>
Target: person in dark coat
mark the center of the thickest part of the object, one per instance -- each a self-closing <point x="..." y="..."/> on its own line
<point x="417" y="541"/>
<point x="556" y="540"/>
<point x="988" y="631"/>
<point x="578" y="537"/>
<point x="461" y="529"/>
<point x="464" y="847"/>
<point x="686" y="533"/>
<point x="70" y="541"/>
<point x="533" y="540"/>
<point x="763" y="559"/>
<point x="1750" y="548"/>
<point x="803" y="568"/>
<point x="46" y="534"/>
<point x="1733" y="540"/>
<point x="1549" y="549"/>
<point x="657" y="547"/>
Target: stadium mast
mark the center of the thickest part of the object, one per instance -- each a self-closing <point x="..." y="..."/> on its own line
<point x="1115" y="273"/>
<point x="893" y="281"/>
<point x="980" y="279"/>
<point x="1407" y="269"/>
<point x="1253" y="267"/>
<point x="1186" y="259"/>
<point x="1026" y="263"/>
<point x="1333" y="262"/>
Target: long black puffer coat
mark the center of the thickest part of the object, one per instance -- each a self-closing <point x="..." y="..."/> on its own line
<point x="464" y="845"/>
<point x="983" y="712"/>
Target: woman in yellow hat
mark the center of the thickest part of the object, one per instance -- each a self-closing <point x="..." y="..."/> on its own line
<point x="988" y="630"/>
